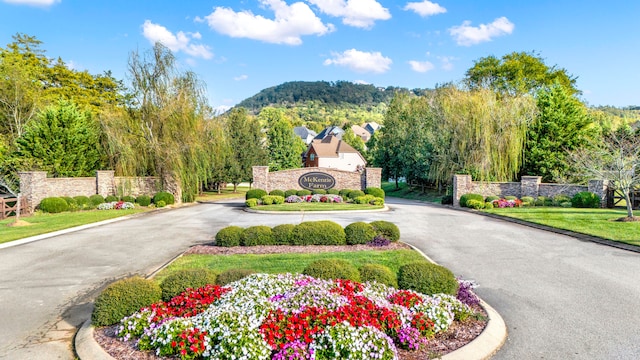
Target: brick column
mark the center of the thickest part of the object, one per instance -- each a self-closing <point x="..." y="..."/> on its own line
<point x="33" y="187"/>
<point x="530" y="186"/>
<point x="261" y="178"/>
<point x="373" y="177"/>
<point x="105" y="182"/>
<point x="600" y="188"/>
<point x="461" y="185"/>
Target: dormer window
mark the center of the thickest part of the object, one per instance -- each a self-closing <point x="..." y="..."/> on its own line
<point x="312" y="157"/>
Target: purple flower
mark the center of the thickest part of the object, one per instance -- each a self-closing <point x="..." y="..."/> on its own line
<point x="410" y="338"/>
<point x="466" y="294"/>
<point x="293" y="351"/>
<point x="379" y="241"/>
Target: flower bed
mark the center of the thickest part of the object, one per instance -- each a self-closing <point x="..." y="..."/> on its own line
<point x="289" y="316"/>
<point x="116" y="205"/>
<point x="324" y="198"/>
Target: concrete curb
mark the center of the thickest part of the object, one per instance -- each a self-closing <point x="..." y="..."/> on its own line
<point x="249" y="210"/>
<point x="490" y="339"/>
<point x="86" y="347"/>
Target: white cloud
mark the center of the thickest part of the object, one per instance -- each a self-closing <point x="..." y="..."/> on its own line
<point x="447" y="63"/>
<point x="178" y="42"/>
<point x="467" y="35"/>
<point x="421" y="66"/>
<point x="241" y="77"/>
<point x="43" y="3"/>
<point x="290" y="23"/>
<point x="425" y="8"/>
<point x="357" y="13"/>
<point x="361" y="61"/>
<point x="361" y="82"/>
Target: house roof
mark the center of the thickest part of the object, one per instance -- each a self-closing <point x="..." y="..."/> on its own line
<point x="361" y="132"/>
<point x="303" y="132"/>
<point x="371" y="127"/>
<point x="331" y="147"/>
<point x="330" y="130"/>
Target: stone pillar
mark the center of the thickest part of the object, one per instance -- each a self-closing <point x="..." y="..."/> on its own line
<point x="373" y="177"/>
<point x="105" y="182"/>
<point x="33" y="187"/>
<point x="261" y="178"/>
<point x="461" y="186"/>
<point x="530" y="186"/>
<point x="600" y="188"/>
<point x="171" y="185"/>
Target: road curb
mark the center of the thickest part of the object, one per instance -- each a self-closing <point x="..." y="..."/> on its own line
<point x="490" y="339"/>
<point x="86" y="346"/>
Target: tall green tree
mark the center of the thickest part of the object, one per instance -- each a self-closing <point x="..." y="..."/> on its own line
<point x="284" y="146"/>
<point x="518" y="73"/>
<point x="247" y="144"/>
<point x="355" y="141"/>
<point x="62" y="140"/>
<point x="562" y="125"/>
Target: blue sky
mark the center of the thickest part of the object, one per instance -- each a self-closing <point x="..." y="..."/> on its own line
<point x="241" y="47"/>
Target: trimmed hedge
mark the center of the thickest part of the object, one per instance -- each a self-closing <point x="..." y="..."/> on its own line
<point x="290" y="192"/>
<point x="323" y="232"/>
<point x="319" y="191"/>
<point x="586" y="199"/>
<point x="128" y="198"/>
<point x="110" y="198"/>
<point x="282" y="234"/>
<point x="386" y="229"/>
<point x="375" y="191"/>
<point x="303" y="192"/>
<point x="344" y="193"/>
<point x="488" y="205"/>
<point x="179" y="281"/>
<point x="333" y="191"/>
<point x="277" y="193"/>
<point x="559" y="199"/>
<point x="378" y="273"/>
<point x="543" y="201"/>
<point x="359" y="233"/>
<point x="229" y="236"/>
<point x="255" y="194"/>
<point x="271" y="199"/>
<point x="353" y="194"/>
<point x="83" y="201"/>
<point x="251" y="202"/>
<point x="161" y="204"/>
<point x="143" y="200"/>
<point x="427" y="278"/>
<point x="168" y="198"/>
<point x="329" y="269"/>
<point x="232" y="275"/>
<point x="528" y="201"/>
<point x="466" y="197"/>
<point x="491" y="198"/>
<point x="96" y="199"/>
<point x="123" y="298"/>
<point x="257" y="235"/>
<point x="511" y="197"/>
<point x="53" y="205"/>
<point x="475" y="204"/>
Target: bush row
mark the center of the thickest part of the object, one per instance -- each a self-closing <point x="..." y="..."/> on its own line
<point x="66" y="203"/>
<point x="124" y="297"/>
<point x="583" y="199"/>
<point x="345" y="193"/>
<point x="323" y="232"/>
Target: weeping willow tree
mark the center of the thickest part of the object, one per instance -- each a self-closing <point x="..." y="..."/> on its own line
<point x="163" y="134"/>
<point x="479" y="133"/>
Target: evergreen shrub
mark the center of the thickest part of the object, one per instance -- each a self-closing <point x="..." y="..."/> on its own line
<point x="488" y="205"/>
<point x="353" y="194"/>
<point x="470" y="196"/>
<point x="96" y="199"/>
<point x="110" y="198"/>
<point x="511" y="197"/>
<point x="318" y="191"/>
<point x="365" y="199"/>
<point x="255" y="194"/>
<point x="290" y="192"/>
<point x="231" y="275"/>
<point x="229" y="236"/>
<point x="427" y="278"/>
<point x="586" y="199"/>
<point x="359" y="233"/>
<point x="378" y="273"/>
<point x="559" y="199"/>
<point x="143" y="200"/>
<point x="475" y="204"/>
<point x="282" y="234"/>
<point x="123" y="298"/>
<point x="303" y="192"/>
<point x="53" y="205"/>
<point x="491" y="198"/>
<point x="128" y="198"/>
<point x="333" y="191"/>
<point x="329" y="269"/>
<point x="179" y="281"/>
<point x="83" y="201"/>
<point x="344" y="193"/>
<point x="168" y="198"/>
<point x="377" y="201"/>
<point x="277" y="193"/>
<point x="528" y="201"/>
<point x="386" y="229"/>
<point x="251" y="202"/>
<point x="323" y="232"/>
<point x="257" y="235"/>
<point x="375" y="191"/>
<point x="161" y="204"/>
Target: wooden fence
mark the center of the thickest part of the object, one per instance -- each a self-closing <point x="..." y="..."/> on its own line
<point x="9" y="206"/>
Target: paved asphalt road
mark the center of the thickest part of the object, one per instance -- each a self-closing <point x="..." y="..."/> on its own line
<point x="561" y="298"/>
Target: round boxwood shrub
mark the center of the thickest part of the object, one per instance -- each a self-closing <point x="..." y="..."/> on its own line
<point x="255" y="194"/>
<point x="365" y="199"/>
<point x="491" y="198"/>
<point x="466" y="197"/>
<point x="271" y="199"/>
<point x="488" y="205"/>
<point x="177" y="282"/>
<point x="353" y="194"/>
<point x="282" y="234"/>
<point x="110" y="198"/>
<point x="128" y="198"/>
<point x="375" y="191"/>
<point x="447" y="200"/>
<point x="232" y="275"/>
<point x="82" y="201"/>
<point x="53" y="205"/>
<point x="161" y="204"/>
<point x="511" y="197"/>
<point x="323" y="232"/>
<point x="543" y="201"/>
<point x="276" y="193"/>
<point x="164" y="196"/>
<point x="377" y="201"/>
<point x="475" y="204"/>
<point x="123" y="298"/>
<point x="290" y="192"/>
<point x="229" y="236"/>
<point x="319" y="191"/>
<point x="427" y="278"/>
<point x="559" y="199"/>
<point x="96" y="199"/>
<point x="329" y="269"/>
<point x="333" y="191"/>
<point x="69" y="200"/>
<point x="256" y="235"/>
<point x="344" y="193"/>
<point x="143" y="200"/>
<point x="303" y="192"/>
<point x="378" y="273"/>
<point x="528" y="201"/>
<point x="251" y="202"/>
<point x="359" y="233"/>
<point x="386" y="229"/>
<point x="585" y="199"/>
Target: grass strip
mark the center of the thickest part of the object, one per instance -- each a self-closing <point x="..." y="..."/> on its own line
<point x="405" y="191"/>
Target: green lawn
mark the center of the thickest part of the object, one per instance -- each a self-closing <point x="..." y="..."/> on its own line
<point x="293" y="263"/>
<point x="407" y="192"/>
<point x="317" y="207"/>
<point x="596" y="222"/>
<point x="42" y="223"/>
<point x="224" y="194"/>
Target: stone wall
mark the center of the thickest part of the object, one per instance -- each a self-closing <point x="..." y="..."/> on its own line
<point x="288" y="179"/>
<point x="35" y="186"/>
<point x="528" y="186"/>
